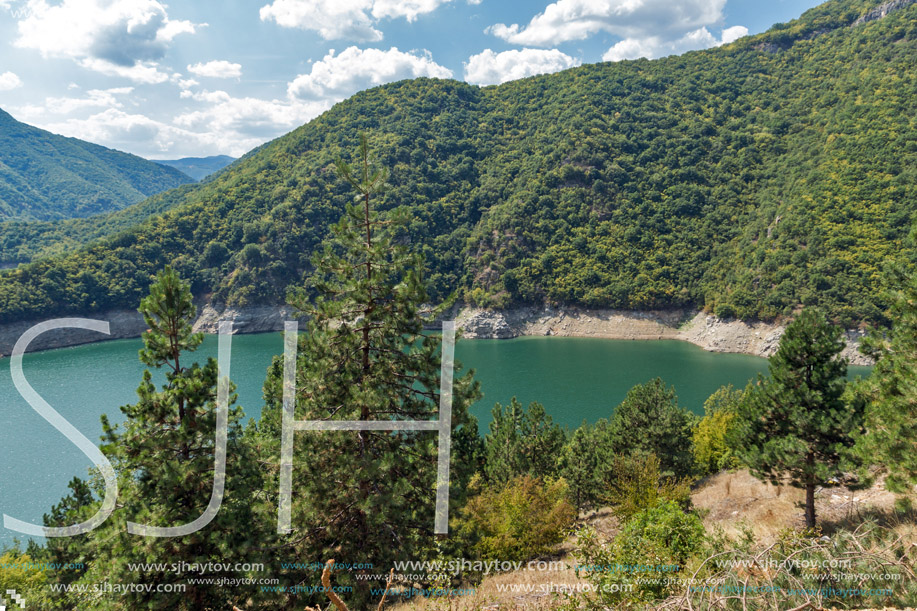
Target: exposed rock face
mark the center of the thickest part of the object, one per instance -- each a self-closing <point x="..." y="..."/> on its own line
<point x="883" y="10"/>
<point x="122" y="323"/>
<point x="129" y="323"/>
<point x="492" y="325"/>
<point x="708" y="332"/>
<point x="255" y="319"/>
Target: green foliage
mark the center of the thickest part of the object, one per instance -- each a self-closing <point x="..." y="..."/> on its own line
<point x="44" y="176"/>
<point x="18" y="571"/>
<point x="747" y="179"/>
<point x="364" y="356"/>
<point x="891" y="392"/>
<point x="645" y="560"/>
<point x="712" y="438"/>
<point x="649" y="421"/>
<point x="585" y="462"/>
<point x="522" y="519"/>
<point x="164" y="457"/>
<point x="521" y="441"/>
<point x="795" y="425"/>
<point x="636" y="485"/>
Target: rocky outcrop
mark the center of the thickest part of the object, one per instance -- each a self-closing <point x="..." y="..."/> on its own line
<point x="121" y="323"/>
<point x="254" y="319"/>
<point x="883" y="10"/>
<point x="708" y="332"/>
<point x="129" y="323"/>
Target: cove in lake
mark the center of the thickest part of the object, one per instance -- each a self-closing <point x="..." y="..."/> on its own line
<point x="575" y="378"/>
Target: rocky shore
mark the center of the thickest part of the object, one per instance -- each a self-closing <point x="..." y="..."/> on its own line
<point x="708" y="332"/>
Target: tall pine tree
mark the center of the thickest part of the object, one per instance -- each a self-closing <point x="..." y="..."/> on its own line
<point x="164" y="457"/>
<point x="367" y="496"/>
<point x="890" y="439"/>
<point x="795" y="425"/>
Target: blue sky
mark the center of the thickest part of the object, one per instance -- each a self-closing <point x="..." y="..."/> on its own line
<point x="168" y="80"/>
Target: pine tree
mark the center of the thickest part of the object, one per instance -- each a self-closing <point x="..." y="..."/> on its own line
<point x="521" y="442"/>
<point x="649" y="421"/>
<point x="164" y="457"/>
<point x="367" y="496"/>
<point x="585" y="462"/>
<point x="890" y="392"/>
<point x="795" y="426"/>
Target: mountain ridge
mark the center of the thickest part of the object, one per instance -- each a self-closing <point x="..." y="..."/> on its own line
<point x="741" y="181"/>
<point x="45" y="176"/>
<point x="198" y="168"/>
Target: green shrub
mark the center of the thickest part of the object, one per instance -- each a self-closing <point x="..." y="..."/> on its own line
<point x="645" y="560"/>
<point x="637" y="485"/>
<point x="18" y="573"/>
<point x="525" y="518"/>
<point x="713" y="451"/>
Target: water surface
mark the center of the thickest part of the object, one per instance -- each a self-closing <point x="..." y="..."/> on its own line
<point x="576" y="379"/>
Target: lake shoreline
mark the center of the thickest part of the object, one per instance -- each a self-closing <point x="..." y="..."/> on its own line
<point x="706" y="331"/>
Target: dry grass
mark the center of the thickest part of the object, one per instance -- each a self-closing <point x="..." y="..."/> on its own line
<point x="730" y="500"/>
<point x="524" y="589"/>
<point x="734" y="499"/>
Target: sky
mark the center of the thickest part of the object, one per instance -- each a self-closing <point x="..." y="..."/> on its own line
<point x="209" y="77"/>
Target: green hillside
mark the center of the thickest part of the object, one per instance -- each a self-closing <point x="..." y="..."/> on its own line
<point x="749" y="179"/>
<point x="44" y="176"/>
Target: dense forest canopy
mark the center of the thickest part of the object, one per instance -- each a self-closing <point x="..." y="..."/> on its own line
<point x="44" y="176"/>
<point x="749" y="179"/>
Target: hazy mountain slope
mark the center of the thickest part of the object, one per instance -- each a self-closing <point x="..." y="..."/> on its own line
<point x="749" y="179"/>
<point x="198" y="168"/>
<point x="44" y="176"/>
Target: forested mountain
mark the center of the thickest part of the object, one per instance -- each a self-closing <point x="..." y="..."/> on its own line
<point x="198" y="168"/>
<point x="44" y="176"/>
<point x="749" y="179"/>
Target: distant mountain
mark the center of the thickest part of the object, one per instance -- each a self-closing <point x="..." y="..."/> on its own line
<point x="749" y="180"/>
<point x="44" y="176"/>
<point x="198" y="168"/>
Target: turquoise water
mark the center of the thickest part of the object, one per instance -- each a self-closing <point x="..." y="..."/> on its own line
<point x="576" y="379"/>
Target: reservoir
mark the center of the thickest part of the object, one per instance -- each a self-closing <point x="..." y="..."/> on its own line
<point x="576" y="379"/>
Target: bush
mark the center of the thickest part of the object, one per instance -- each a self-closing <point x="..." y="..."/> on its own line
<point x="17" y="573"/>
<point x="713" y="451"/>
<point x="523" y="519"/>
<point x="636" y="485"/>
<point x="646" y="557"/>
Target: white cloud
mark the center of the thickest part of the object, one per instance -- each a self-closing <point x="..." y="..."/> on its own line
<point x="231" y="126"/>
<point x="216" y="69"/>
<point x="8" y="81"/>
<point x="338" y="76"/>
<point x="116" y="37"/>
<point x="344" y="19"/>
<point x="489" y="68"/>
<point x="733" y="34"/>
<point x="566" y="20"/>
<point x="409" y="9"/>
<point x="655" y="46"/>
